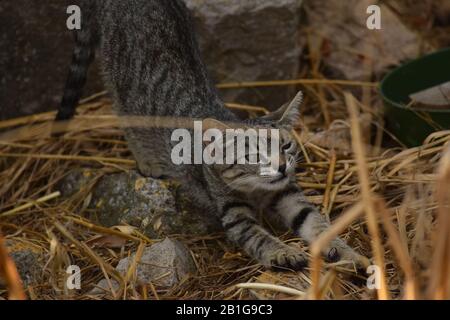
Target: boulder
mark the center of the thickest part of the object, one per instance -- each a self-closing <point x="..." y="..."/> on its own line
<point x="154" y="206"/>
<point x="348" y="48"/>
<point x="128" y="198"/>
<point x="164" y="264"/>
<point x="441" y="9"/>
<point x="251" y="40"/>
<point x="241" y="41"/>
<point x="28" y="262"/>
<point x="35" y="53"/>
<point x="75" y="181"/>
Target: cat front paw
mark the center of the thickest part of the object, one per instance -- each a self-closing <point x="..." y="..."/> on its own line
<point x="286" y="258"/>
<point x="340" y="251"/>
<point x="154" y="170"/>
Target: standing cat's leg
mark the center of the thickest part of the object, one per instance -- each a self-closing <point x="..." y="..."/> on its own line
<point x="242" y="228"/>
<point x="308" y="223"/>
<point x="145" y="144"/>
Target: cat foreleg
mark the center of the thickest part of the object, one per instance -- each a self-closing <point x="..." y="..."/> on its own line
<point x="308" y="223"/>
<point x="242" y="228"/>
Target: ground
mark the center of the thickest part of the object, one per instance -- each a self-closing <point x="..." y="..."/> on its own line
<point x="57" y="230"/>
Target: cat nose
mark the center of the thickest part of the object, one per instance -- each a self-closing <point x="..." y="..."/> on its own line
<point x="282" y="168"/>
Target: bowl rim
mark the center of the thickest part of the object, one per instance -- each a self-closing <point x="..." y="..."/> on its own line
<point x="404" y="66"/>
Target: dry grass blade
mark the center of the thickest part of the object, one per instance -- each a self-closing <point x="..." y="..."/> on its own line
<point x="271" y="287"/>
<point x="133" y="266"/>
<point x="106" y="268"/>
<point x="367" y="197"/>
<point x="23" y="207"/>
<point x="399" y="250"/>
<point x="330" y="178"/>
<point x="439" y="287"/>
<point x="68" y="158"/>
<point x="255" y="84"/>
<point x="33" y="167"/>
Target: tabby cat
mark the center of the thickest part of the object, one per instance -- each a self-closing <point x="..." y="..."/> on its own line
<point x="152" y="67"/>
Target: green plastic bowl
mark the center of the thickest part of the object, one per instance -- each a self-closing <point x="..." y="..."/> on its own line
<point x="412" y="127"/>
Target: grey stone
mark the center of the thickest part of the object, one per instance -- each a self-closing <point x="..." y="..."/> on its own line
<point x="241" y="41"/>
<point x="347" y="38"/>
<point x="129" y="198"/>
<point x="164" y="264"/>
<point x="35" y="52"/>
<point x="154" y="206"/>
<point x="75" y="181"/>
<point x="251" y="40"/>
<point x="441" y="9"/>
<point x="27" y="264"/>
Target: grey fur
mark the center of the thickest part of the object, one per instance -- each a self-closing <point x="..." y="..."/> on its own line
<point x="153" y="67"/>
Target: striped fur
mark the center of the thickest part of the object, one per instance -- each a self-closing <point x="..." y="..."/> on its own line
<point x="86" y="41"/>
<point x="152" y="67"/>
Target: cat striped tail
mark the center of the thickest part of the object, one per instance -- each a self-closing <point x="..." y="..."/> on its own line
<point x="86" y="40"/>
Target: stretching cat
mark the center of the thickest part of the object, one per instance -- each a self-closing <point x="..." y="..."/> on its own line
<point x="152" y="67"/>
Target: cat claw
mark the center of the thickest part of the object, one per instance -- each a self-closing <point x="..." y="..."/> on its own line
<point x="342" y="252"/>
<point x="288" y="259"/>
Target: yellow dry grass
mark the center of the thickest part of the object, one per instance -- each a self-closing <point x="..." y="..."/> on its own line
<point x="390" y="204"/>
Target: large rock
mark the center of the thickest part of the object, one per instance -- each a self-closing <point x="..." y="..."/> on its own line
<point x="154" y="206"/>
<point x="128" y="198"/>
<point x="27" y="265"/>
<point x="344" y="40"/>
<point x="75" y="181"/>
<point x="28" y="261"/>
<point x="441" y="9"/>
<point x="164" y="264"/>
<point x="241" y="40"/>
<point x="250" y="40"/>
<point x="35" y="52"/>
<point x="418" y="13"/>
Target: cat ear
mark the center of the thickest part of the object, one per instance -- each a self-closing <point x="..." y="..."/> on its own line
<point x="289" y="113"/>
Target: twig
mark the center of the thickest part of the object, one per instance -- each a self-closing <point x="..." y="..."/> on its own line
<point x="254" y="84"/>
<point x="271" y="287"/>
<point x="330" y="178"/>
<point x="30" y="204"/>
<point x="68" y="158"/>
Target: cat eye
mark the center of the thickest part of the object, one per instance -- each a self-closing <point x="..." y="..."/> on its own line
<point x="287" y="146"/>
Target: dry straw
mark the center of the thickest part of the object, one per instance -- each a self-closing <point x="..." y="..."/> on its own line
<point x="390" y="204"/>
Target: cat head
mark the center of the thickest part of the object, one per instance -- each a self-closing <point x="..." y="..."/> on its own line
<point x="251" y="169"/>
